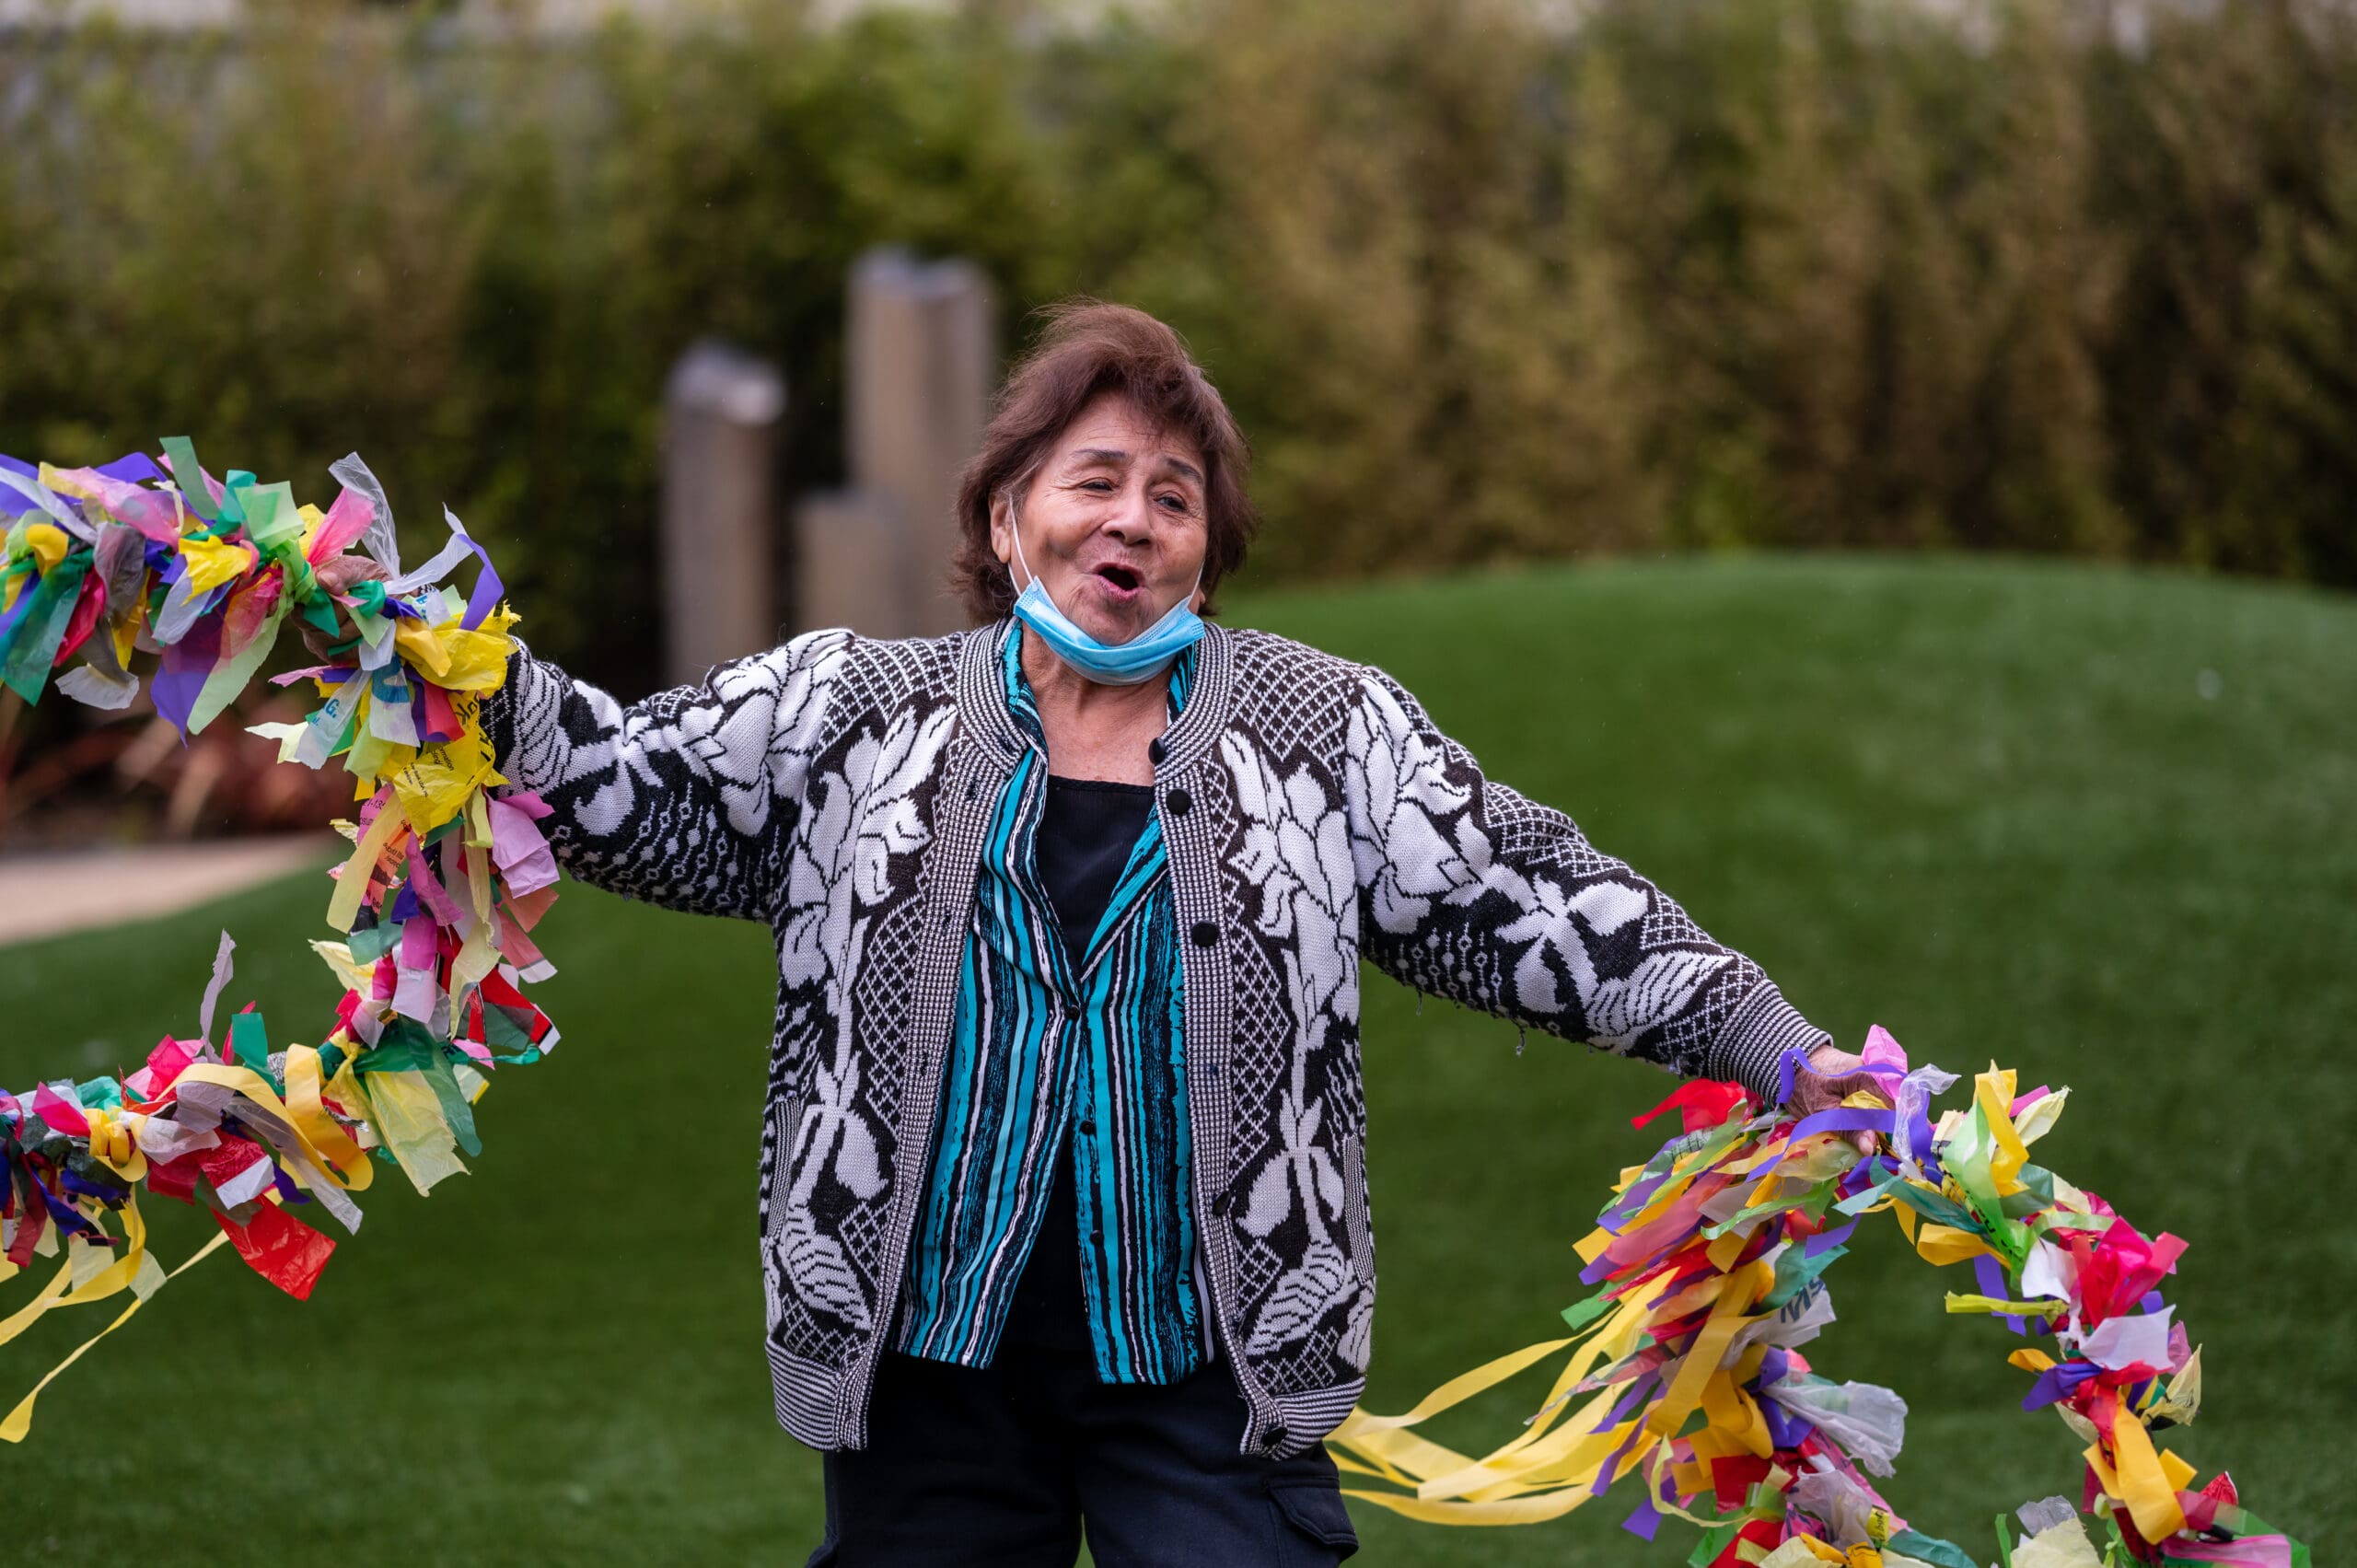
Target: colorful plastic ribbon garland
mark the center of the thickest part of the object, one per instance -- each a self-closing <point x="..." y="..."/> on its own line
<point x="1684" y="1379"/>
<point x="433" y="908"/>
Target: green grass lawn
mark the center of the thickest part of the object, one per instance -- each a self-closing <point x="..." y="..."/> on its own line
<point x="2090" y="823"/>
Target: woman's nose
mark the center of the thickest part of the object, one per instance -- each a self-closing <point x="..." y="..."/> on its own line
<point x="1132" y="520"/>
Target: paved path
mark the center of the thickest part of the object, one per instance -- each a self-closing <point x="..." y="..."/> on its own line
<point x="49" y="894"/>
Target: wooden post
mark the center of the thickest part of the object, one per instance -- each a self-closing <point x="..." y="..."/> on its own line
<point x="851" y="568"/>
<point x="920" y="355"/>
<point x="720" y="409"/>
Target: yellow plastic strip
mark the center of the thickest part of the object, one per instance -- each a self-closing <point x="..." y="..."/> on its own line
<point x="2144" y="1485"/>
<point x="21" y="1420"/>
<point x="1538" y="1454"/>
<point x="1529" y="1510"/>
<point x="253" y="1086"/>
<point x="344" y="907"/>
<point x="2044" y="1307"/>
<point x="119" y="1273"/>
<point x="29" y="1313"/>
<point x="340" y="1158"/>
<point x="1994" y="1091"/>
<point x="1743" y="1287"/>
<point x="1456" y="1390"/>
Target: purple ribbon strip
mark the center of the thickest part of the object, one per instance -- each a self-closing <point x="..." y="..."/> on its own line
<point x="1841" y="1119"/>
<point x="2056" y="1383"/>
<point x="1829" y="1238"/>
<point x="1992" y="1279"/>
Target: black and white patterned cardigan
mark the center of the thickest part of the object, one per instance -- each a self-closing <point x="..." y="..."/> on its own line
<point x="838" y="788"/>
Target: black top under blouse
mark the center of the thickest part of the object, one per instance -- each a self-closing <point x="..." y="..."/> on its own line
<point x="1086" y="831"/>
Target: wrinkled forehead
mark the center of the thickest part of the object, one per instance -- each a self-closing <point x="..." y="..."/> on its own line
<point x="1112" y="430"/>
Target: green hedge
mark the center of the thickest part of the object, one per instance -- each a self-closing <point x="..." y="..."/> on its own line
<point x="1691" y="274"/>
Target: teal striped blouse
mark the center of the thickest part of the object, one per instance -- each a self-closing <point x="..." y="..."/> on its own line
<point x="1047" y="1061"/>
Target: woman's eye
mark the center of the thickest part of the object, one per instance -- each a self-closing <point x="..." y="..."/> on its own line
<point x="1102" y="486"/>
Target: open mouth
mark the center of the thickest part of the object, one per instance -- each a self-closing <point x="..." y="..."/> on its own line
<point x="1122" y="579"/>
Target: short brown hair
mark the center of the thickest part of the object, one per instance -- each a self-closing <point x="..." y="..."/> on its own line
<point x="1089" y="347"/>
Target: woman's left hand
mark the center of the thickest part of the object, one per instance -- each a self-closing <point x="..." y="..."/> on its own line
<point x="1830" y="1076"/>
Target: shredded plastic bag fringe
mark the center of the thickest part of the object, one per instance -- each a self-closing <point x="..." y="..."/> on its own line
<point x="432" y="910"/>
<point x="1683" y="1379"/>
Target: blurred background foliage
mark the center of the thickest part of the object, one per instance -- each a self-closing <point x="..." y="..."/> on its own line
<point x="1484" y="281"/>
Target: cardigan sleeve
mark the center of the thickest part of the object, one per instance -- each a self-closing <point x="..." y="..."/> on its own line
<point x="686" y="799"/>
<point x="1473" y="891"/>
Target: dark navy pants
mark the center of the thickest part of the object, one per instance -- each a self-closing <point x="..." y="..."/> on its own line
<point x="1005" y="1467"/>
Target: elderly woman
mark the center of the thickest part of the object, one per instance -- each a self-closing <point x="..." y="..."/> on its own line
<point x="1063" y="1182"/>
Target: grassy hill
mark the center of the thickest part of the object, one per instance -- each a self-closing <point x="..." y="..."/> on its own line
<point x="2089" y="823"/>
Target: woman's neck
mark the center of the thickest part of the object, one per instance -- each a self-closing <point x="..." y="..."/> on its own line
<point x="1094" y="731"/>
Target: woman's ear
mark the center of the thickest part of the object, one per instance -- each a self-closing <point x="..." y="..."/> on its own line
<point x="1001" y="529"/>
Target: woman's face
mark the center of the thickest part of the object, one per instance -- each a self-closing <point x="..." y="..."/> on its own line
<point x="1112" y="522"/>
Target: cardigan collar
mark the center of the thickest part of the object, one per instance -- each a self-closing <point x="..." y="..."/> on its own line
<point x="982" y="701"/>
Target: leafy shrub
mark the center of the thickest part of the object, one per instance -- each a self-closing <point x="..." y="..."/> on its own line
<point x="1688" y="273"/>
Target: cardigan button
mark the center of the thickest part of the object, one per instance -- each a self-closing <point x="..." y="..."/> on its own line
<point x="1156" y="751"/>
<point x="1206" y="934"/>
<point x="1181" y="803"/>
<point x="1220" y="1205"/>
<point x="1276" y="1439"/>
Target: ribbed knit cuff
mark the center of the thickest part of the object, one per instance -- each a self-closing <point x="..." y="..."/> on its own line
<point x="1754" y="1041"/>
<point x="497" y="708"/>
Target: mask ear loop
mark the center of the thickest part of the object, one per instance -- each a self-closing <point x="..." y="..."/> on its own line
<point x="1013" y="494"/>
<point x="1015" y="532"/>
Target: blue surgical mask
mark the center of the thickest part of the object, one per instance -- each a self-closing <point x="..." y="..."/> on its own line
<point x="1141" y="658"/>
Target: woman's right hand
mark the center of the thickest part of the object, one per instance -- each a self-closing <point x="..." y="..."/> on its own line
<point x="338" y="574"/>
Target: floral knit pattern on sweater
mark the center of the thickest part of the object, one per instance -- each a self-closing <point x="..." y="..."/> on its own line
<point x="838" y="788"/>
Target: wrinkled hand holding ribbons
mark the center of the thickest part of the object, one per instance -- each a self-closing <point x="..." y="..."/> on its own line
<point x="1685" y="1380"/>
<point x="448" y="874"/>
